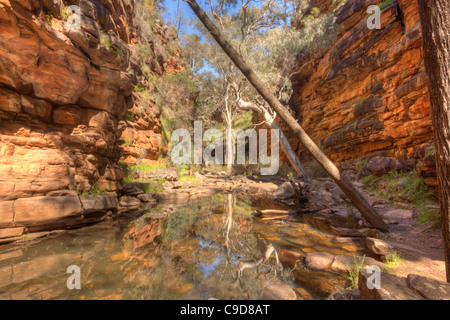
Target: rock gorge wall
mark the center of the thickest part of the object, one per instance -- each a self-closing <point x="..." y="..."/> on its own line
<point x="367" y="95"/>
<point x="143" y="135"/>
<point x="64" y="98"/>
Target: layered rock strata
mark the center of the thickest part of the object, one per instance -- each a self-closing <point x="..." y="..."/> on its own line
<point x="64" y="95"/>
<point x="367" y="95"/>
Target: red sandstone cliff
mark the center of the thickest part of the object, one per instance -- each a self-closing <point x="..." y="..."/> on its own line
<point x="367" y="95"/>
<point x="64" y="98"/>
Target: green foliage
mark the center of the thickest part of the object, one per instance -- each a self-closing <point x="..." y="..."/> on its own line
<point x="400" y="186"/>
<point x="429" y="214"/>
<point x="48" y="19"/>
<point x="385" y="3"/>
<point x="267" y="42"/>
<point x="315" y="11"/>
<point x="107" y="43"/>
<point x="353" y="272"/>
<point x="168" y="123"/>
<point x="95" y="190"/>
<point x="149" y="168"/>
<point x="146" y="16"/>
<point x="393" y="260"/>
<point x="154" y="187"/>
<point x="128" y="141"/>
<point x="130" y="115"/>
<point x="65" y="15"/>
<point x="405" y="187"/>
<point x="431" y="153"/>
<point x="191" y="178"/>
<point x="179" y="223"/>
<point x="361" y="163"/>
<point x="183" y="79"/>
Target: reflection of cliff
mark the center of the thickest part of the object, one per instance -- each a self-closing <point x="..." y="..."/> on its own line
<point x="368" y="94"/>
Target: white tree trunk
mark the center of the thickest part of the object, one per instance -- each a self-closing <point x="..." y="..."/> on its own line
<point x="270" y="120"/>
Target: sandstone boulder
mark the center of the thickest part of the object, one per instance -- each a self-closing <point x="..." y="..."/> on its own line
<point x="343" y="263"/>
<point x="6" y="213"/>
<point x="128" y="201"/>
<point x="96" y="203"/>
<point x="380" y="166"/>
<point x="391" y="287"/>
<point x="399" y="214"/>
<point x="278" y="292"/>
<point x="37" y="210"/>
<point x="289" y="258"/>
<point x="378" y="247"/>
<point x="319" y="260"/>
<point x="429" y="289"/>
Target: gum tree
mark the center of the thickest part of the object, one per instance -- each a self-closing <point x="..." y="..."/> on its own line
<point x="435" y="18"/>
<point x="259" y="30"/>
<point x="357" y="199"/>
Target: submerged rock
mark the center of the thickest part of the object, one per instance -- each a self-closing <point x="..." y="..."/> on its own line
<point x="289" y="258"/>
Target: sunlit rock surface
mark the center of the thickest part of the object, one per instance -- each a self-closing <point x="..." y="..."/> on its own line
<point x="368" y="95"/>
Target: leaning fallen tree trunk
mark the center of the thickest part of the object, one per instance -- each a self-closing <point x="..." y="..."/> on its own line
<point x="270" y="120"/>
<point x="355" y="197"/>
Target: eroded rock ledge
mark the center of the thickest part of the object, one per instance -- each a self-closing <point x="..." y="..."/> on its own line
<point x="64" y="96"/>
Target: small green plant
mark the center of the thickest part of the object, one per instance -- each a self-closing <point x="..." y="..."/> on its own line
<point x="145" y="167"/>
<point x="119" y="51"/>
<point x="431" y="153"/>
<point x="429" y="214"/>
<point x="400" y="187"/>
<point x="385" y="3"/>
<point x="48" y="19"/>
<point x="107" y="43"/>
<point x="315" y="11"/>
<point x="95" y="190"/>
<point x="361" y="163"/>
<point x="393" y="260"/>
<point x="291" y="176"/>
<point x="154" y="187"/>
<point x="192" y="178"/>
<point x="65" y="15"/>
<point x="130" y="115"/>
<point x="128" y="141"/>
<point x="140" y="89"/>
<point x="353" y="272"/>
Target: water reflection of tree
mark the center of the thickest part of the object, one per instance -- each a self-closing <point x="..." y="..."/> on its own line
<point x="248" y="263"/>
<point x="207" y="249"/>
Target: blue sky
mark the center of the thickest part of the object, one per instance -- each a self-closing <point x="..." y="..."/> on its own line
<point x="171" y="7"/>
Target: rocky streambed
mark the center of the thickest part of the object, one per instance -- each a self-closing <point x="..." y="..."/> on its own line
<point x="218" y="236"/>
